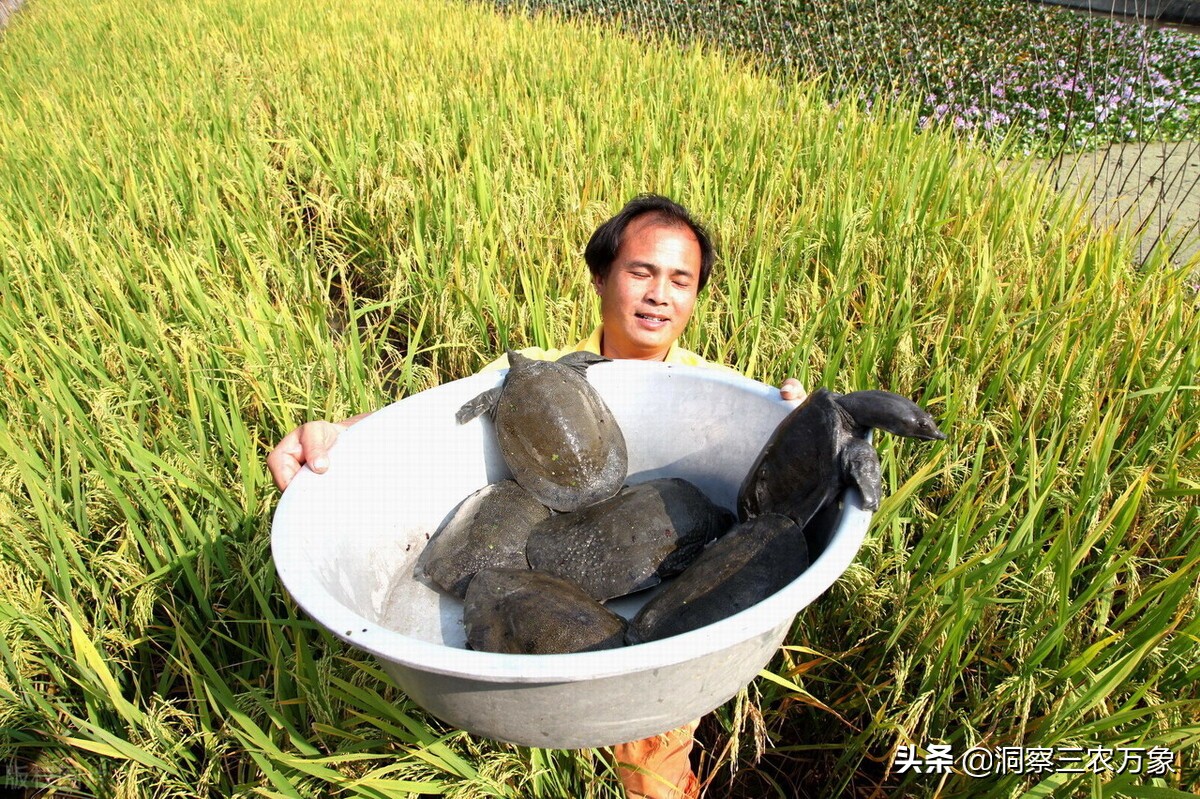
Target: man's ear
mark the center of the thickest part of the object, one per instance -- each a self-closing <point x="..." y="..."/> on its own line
<point x="598" y="283"/>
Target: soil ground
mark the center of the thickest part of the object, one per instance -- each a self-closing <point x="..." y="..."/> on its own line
<point x="7" y="7"/>
<point x="1154" y="188"/>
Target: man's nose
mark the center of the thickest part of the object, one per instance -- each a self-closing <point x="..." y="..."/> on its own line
<point x="656" y="290"/>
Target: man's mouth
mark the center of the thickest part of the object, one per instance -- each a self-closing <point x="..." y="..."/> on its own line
<point x="654" y="318"/>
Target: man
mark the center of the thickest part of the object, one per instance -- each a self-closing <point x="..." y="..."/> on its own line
<point x="648" y="264"/>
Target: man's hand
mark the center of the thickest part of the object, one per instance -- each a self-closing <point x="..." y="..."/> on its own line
<point x="791" y="389"/>
<point x="307" y="444"/>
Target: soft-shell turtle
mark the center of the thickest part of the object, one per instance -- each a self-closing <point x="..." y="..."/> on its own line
<point x="646" y="532"/>
<point x="821" y="447"/>
<point x="488" y="528"/>
<point x="518" y="612"/>
<point x="747" y="565"/>
<point x="557" y="436"/>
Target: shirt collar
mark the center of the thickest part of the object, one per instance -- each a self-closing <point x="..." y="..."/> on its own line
<point x="592" y="344"/>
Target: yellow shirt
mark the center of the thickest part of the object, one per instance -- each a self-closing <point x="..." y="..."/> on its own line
<point x="676" y="354"/>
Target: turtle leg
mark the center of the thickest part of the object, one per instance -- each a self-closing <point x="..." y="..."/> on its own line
<point x="860" y="466"/>
<point x="481" y="404"/>
<point x="580" y="361"/>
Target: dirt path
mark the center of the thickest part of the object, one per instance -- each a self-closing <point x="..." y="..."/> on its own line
<point x="1151" y="187"/>
<point x="7" y="7"/>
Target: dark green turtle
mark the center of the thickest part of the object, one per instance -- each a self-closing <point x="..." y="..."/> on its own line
<point x="523" y="612"/>
<point x="747" y="565"/>
<point x="556" y="435"/>
<point x="821" y="447"/>
<point x="488" y="528"/>
<point x="630" y="542"/>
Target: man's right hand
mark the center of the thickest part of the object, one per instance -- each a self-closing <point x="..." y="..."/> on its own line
<point x="307" y="444"/>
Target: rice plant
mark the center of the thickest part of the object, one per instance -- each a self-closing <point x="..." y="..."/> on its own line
<point x="220" y="219"/>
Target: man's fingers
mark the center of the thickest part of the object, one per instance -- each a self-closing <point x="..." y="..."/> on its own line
<point x="315" y="440"/>
<point x="791" y="389"/>
<point x="283" y="465"/>
<point x="307" y="444"/>
<point x="283" y="461"/>
<point x="283" y="473"/>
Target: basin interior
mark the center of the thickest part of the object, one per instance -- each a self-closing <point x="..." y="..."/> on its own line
<point x="346" y="542"/>
<point x="395" y="476"/>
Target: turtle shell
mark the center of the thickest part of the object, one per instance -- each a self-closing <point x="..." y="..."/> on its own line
<point x="488" y="528"/>
<point x="799" y="470"/>
<point x="748" y="564"/>
<point x="518" y="612"/>
<point x="646" y="532"/>
<point x="556" y="435"/>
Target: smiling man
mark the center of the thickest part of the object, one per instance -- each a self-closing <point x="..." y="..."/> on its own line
<point x="648" y="264"/>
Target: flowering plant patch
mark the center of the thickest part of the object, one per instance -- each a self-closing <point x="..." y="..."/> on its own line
<point x="1051" y="76"/>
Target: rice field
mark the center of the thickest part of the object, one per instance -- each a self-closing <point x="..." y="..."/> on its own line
<point x="223" y="218"/>
<point x="989" y="69"/>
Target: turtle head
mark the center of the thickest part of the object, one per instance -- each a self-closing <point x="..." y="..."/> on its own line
<point x="891" y="412"/>
<point x="515" y="357"/>
<point x="580" y="361"/>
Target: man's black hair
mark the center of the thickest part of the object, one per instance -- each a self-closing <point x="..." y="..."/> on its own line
<point x="602" y="248"/>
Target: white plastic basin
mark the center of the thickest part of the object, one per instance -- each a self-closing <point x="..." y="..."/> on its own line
<point x="346" y="542"/>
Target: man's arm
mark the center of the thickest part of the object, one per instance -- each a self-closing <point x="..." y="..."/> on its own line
<point x="307" y="444"/>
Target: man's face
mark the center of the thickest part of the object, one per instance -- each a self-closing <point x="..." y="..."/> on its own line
<point x="650" y="290"/>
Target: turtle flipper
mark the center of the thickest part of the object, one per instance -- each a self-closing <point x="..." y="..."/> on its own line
<point x="484" y="403"/>
<point x="860" y="468"/>
<point x="580" y="361"/>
